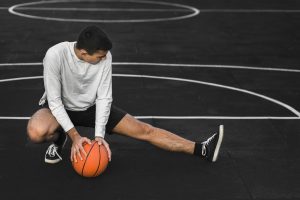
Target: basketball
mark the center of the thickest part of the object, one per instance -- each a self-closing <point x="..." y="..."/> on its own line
<point x="94" y="163"/>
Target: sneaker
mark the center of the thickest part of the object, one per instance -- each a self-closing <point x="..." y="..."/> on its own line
<point x="211" y="147"/>
<point x="53" y="153"/>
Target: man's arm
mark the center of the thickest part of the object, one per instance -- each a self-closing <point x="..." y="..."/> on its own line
<point x="52" y="83"/>
<point x="104" y="98"/>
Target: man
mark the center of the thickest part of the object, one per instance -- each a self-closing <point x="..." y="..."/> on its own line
<point x="78" y="92"/>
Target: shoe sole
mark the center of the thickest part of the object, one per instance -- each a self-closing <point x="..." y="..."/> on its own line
<point x="52" y="161"/>
<point x="220" y="139"/>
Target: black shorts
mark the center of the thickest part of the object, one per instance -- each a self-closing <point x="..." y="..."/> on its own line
<point x="87" y="118"/>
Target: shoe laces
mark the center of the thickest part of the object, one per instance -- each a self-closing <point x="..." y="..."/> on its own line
<point x="52" y="150"/>
<point x="206" y="143"/>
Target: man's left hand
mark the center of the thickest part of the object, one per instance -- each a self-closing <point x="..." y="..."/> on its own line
<point x="101" y="141"/>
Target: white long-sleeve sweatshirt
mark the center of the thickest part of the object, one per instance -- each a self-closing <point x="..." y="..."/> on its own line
<point x="73" y="84"/>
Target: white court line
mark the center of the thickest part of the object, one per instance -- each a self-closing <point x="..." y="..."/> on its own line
<point x="216" y="117"/>
<point x="194" y="11"/>
<point x="190" y="81"/>
<point x="20" y="64"/>
<point x="248" y="11"/>
<point x="188" y="117"/>
<point x="174" y="65"/>
<point x="293" y="110"/>
<point x="103" y="9"/>
<point x="14" y="118"/>
<point x="161" y="10"/>
<point x="207" y="66"/>
<point x="20" y="79"/>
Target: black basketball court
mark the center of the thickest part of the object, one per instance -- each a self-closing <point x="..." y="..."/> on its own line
<point x="185" y="66"/>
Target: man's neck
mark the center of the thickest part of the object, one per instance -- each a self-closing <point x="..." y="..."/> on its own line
<point x="77" y="52"/>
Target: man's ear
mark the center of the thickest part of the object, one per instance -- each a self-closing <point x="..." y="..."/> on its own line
<point x="83" y="52"/>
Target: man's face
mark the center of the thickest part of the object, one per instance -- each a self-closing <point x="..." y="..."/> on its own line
<point x="95" y="58"/>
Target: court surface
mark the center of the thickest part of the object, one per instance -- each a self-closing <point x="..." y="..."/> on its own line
<point x="185" y="66"/>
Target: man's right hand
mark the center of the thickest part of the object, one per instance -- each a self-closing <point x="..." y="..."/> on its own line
<point x="77" y="145"/>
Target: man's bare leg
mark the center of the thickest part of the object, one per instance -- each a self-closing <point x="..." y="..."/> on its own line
<point x="129" y="126"/>
<point x="42" y="126"/>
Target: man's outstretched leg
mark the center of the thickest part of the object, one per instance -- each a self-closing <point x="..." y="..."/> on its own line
<point x="209" y="149"/>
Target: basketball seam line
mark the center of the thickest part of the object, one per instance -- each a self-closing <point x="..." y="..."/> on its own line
<point x="99" y="161"/>
<point x="87" y="157"/>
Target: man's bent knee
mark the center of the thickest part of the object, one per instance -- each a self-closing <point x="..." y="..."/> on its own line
<point x="42" y="125"/>
<point x="35" y="133"/>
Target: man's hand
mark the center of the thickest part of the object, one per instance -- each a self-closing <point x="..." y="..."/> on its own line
<point x="77" y="148"/>
<point x="101" y="141"/>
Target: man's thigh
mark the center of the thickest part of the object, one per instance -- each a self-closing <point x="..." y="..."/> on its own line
<point x="130" y="126"/>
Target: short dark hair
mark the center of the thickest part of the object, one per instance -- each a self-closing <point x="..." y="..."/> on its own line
<point x="92" y="39"/>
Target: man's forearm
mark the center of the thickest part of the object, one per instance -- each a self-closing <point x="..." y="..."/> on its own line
<point x="73" y="133"/>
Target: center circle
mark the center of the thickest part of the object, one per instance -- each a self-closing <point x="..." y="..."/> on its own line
<point x="105" y="11"/>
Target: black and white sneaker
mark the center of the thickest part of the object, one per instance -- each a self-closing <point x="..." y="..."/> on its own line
<point x="53" y="153"/>
<point x="211" y="147"/>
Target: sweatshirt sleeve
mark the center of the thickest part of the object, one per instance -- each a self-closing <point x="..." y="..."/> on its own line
<point x="52" y="83"/>
<point x="104" y="98"/>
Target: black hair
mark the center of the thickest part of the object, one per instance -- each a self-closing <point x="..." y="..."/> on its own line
<point x="92" y="39"/>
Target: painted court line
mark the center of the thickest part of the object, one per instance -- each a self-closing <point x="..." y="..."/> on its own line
<point x="248" y="11"/>
<point x="20" y="79"/>
<point x="103" y="9"/>
<point x="293" y="110"/>
<point x="194" y="11"/>
<point x="21" y="64"/>
<point x="207" y="66"/>
<point x="161" y="10"/>
<point x="174" y="65"/>
<point x="188" y="117"/>
<point x="14" y="118"/>
<point x="191" y="81"/>
<point x="216" y="117"/>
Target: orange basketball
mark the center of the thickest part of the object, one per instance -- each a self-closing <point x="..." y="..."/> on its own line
<point x="94" y="163"/>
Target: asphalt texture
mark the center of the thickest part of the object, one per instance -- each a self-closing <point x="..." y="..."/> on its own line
<point x="259" y="157"/>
